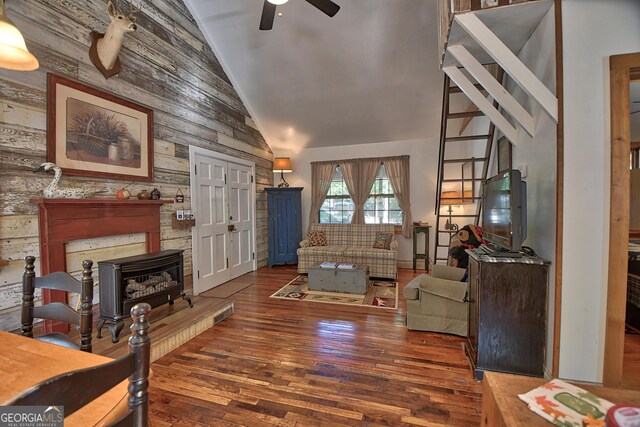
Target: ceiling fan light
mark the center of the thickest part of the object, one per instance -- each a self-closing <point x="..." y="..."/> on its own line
<point x="277" y="2"/>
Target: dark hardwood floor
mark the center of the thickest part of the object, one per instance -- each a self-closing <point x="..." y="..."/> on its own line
<point x="288" y="363"/>
<point x="631" y="362"/>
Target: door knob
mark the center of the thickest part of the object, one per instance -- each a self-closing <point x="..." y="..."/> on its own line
<point x="231" y="227"/>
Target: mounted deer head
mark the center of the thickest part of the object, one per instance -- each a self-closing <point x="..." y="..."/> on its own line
<point x="106" y="47"/>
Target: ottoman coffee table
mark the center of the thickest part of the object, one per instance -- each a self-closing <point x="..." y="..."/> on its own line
<point x="343" y="278"/>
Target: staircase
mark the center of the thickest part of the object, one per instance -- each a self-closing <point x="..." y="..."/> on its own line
<point x="474" y="33"/>
<point x="455" y="178"/>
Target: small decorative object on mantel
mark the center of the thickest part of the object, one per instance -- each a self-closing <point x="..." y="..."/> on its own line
<point x="155" y="194"/>
<point x="179" y="196"/>
<point x="144" y="195"/>
<point x="105" y="48"/>
<point x="123" y="193"/>
<point x="52" y="191"/>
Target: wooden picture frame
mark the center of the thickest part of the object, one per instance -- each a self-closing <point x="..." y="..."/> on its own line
<point x="505" y="154"/>
<point x="94" y="133"/>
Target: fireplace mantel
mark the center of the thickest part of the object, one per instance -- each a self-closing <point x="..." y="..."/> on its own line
<point x="64" y="220"/>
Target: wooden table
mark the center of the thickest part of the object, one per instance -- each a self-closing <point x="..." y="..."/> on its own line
<point x="502" y="407"/>
<point x="25" y="362"/>
<point x="424" y="255"/>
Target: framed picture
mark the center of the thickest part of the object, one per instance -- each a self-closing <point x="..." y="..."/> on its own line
<point x="94" y="133"/>
<point x="504" y="154"/>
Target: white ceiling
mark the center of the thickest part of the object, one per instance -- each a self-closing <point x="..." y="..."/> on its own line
<point x="369" y="74"/>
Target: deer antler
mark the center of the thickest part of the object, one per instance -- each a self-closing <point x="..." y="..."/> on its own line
<point x="133" y="9"/>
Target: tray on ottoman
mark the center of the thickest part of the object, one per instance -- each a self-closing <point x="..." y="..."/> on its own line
<point x="346" y="280"/>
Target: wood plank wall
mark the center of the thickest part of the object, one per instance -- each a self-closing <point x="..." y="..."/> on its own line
<point x="167" y="66"/>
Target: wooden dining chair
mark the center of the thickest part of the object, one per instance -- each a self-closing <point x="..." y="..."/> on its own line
<point x="57" y="310"/>
<point x="75" y="389"/>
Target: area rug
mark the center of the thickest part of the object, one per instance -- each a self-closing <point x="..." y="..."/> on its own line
<point x="381" y="294"/>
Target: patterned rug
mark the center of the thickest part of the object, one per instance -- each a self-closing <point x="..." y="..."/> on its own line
<point x="381" y="294"/>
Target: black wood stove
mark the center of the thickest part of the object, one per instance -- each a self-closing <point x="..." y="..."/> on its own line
<point x="156" y="279"/>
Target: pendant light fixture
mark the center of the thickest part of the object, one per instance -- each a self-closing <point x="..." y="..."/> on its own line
<point x="14" y="54"/>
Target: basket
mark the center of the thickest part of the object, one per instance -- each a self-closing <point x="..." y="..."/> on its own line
<point x="93" y="144"/>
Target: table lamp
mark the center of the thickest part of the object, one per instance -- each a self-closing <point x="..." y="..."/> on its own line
<point x="454" y="198"/>
<point x="282" y="165"/>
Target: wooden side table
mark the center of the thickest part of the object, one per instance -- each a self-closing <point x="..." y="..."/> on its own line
<point x="501" y="406"/>
<point x="425" y="255"/>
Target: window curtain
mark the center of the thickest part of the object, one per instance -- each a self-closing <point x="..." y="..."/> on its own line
<point x="321" y="176"/>
<point x="398" y="172"/>
<point x="359" y="180"/>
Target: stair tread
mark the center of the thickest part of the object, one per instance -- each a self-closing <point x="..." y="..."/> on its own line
<point x="465" y="138"/>
<point x="456" y="89"/>
<point x="461" y="198"/>
<point x="471" y="159"/>
<point x="465" y="114"/>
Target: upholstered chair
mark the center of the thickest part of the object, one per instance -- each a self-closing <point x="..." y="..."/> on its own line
<point x="437" y="302"/>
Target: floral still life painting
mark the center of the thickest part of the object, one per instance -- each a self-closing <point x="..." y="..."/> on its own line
<point x="95" y="133"/>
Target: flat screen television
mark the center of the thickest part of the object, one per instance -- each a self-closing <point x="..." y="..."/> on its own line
<point x="504" y="210"/>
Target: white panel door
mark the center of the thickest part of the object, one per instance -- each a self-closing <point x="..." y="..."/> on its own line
<point x="240" y="184"/>
<point x="211" y="233"/>
<point x="224" y="236"/>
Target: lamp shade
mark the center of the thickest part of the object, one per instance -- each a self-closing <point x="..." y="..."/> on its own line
<point x="13" y="51"/>
<point x="448" y="198"/>
<point x="278" y="1"/>
<point x="282" y="164"/>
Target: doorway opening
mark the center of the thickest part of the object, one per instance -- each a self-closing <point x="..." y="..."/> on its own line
<point x="624" y="70"/>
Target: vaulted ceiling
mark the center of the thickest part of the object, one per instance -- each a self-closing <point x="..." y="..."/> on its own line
<point x="369" y="74"/>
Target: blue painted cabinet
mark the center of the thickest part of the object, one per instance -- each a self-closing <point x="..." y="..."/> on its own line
<point x="284" y="206"/>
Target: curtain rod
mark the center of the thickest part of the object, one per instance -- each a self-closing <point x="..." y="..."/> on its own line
<point x="363" y="158"/>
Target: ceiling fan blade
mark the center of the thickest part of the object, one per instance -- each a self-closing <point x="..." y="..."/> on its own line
<point x="326" y="6"/>
<point x="268" y="15"/>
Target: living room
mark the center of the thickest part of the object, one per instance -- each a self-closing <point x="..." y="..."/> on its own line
<point x="169" y="66"/>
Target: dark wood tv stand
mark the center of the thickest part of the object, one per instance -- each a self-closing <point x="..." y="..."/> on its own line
<point x="507" y="314"/>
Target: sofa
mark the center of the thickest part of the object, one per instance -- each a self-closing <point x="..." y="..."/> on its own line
<point x="437" y="302"/>
<point x="352" y="244"/>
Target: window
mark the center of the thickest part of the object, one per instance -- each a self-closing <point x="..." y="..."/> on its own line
<point x="338" y="207"/>
<point x="382" y="207"/>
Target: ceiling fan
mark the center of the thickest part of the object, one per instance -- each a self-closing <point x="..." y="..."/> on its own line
<point x="269" y="10"/>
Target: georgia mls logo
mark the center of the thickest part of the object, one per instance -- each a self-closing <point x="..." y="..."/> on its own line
<point x="53" y="409"/>
<point x="31" y="416"/>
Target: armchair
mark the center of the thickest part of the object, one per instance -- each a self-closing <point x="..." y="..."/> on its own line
<point x="436" y="302"/>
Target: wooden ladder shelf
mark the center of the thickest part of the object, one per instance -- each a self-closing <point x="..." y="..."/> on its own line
<point x="445" y="175"/>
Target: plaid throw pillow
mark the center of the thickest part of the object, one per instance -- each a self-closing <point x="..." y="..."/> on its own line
<point x="383" y="240"/>
<point x="317" y="238"/>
